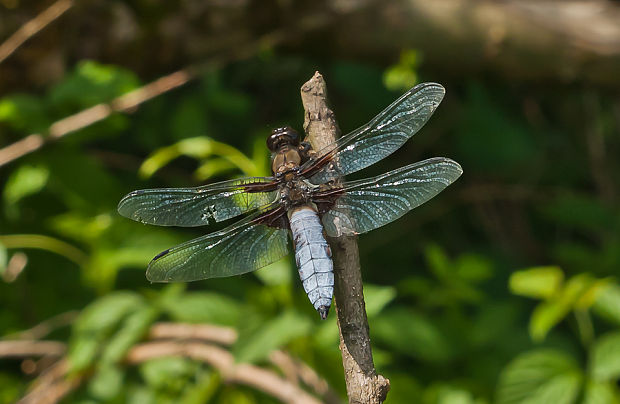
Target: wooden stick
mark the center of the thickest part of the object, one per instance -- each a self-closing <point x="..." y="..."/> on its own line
<point x="363" y="383"/>
<point x="33" y="26"/>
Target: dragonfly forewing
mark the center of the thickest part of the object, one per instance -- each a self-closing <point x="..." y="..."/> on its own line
<point x="379" y="138"/>
<point x="370" y="203"/>
<point x="188" y="207"/>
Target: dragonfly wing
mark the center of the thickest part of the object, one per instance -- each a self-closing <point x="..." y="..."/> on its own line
<point x="379" y="138"/>
<point x="367" y="204"/>
<point x="243" y="247"/>
<point x="199" y="206"/>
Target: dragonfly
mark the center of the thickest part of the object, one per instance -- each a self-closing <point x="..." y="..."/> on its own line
<point x="305" y="199"/>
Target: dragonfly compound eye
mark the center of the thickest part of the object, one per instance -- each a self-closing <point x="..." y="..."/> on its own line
<point x="282" y="136"/>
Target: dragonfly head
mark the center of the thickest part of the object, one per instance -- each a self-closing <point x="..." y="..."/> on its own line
<point x="284" y="145"/>
<point x="282" y="136"/>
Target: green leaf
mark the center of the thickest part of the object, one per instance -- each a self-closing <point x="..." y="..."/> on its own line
<point x="410" y="333"/>
<point x="540" y="377"/>
<point x="133" y="329"/>
<point x="539" y="282"/>
<point x="92" y="83"/>
<point x="170" y="373"/>
<point x="377" y="297"/>
<point x="203" y="391"/>
<point x="203" y="307"/>
<point x="600" y="393"/>
<point x="25" y="113"/>
<point x="473" y="267"/>
<point x="26" y="180"/>
<point x="403" y="75"/>
<point x="438" y="261"/>
<point x="106" y="312"/>
<point x="607" y="303"/>
<point x="270" y="336"/>
<point x="83" y="350"/>
<point x="85" y="228"/>
<point x="94" y="325"/>
<point x="213" y="167"/>
<point x="106" y="383"/>
<point x="605" y="358"/>
<point x="195" y="147"/>
<point x="551" y="312"/>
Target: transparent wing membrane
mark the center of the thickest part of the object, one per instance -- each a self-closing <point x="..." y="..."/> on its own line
<point x="199" y="206"/>
<point x="243" y="247"/>
<point x="371" y="203"/>
<point x="379" y="138"/>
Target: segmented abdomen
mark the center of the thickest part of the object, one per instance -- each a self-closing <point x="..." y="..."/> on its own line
<point x="313" y="257"/>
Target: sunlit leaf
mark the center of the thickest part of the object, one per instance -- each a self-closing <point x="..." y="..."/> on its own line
<point x="25" y="113"/>
<point x="82" y="351"/>
<point x="26" y="180"/>
<point x="82" y="227"/>
<point x="168" y="372"/>
<point x="134" y="327"/>
<point x="473" y="267"/>
<point x="539" y="282"/>
<point x="607" y="303"/>
<point x="106" y="383"/>
<point x="540" y="377"/>
<point x="213" y="167"/>
<point x="605" y="357"/>
<point x="195" y="147"/>
<point x="549" y="313"/>
<point x="600" y="393"/>
<point x="205" y="388"/>
<point x="403" y="75"/>
<point x="272" y="335"/>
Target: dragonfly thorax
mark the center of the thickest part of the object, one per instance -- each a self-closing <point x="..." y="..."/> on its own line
<point x="296" y="191"/>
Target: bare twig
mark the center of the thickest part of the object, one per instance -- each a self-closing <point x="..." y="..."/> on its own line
<point x="174" y="339"/>
<point x="224" y="362"/>
<point x="52" y="386"/>
<point x="129" y="102"/>
<point x="363" y="383"/>
<point x="206" y="332"/>
<point x="96" y="113"/>
<point x="18" y="349"/>
<point x="45" y="327"/>
<point x="296" y="370"/>
<point x="33" y="26"/>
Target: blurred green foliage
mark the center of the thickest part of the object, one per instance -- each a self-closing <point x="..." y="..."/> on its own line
<point x="500" y="290"/>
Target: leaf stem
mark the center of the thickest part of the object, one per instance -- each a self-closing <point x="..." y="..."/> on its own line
<point x="41" y="242"/>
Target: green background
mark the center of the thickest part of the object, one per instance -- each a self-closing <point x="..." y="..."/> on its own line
<point x="501" y="289"/>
